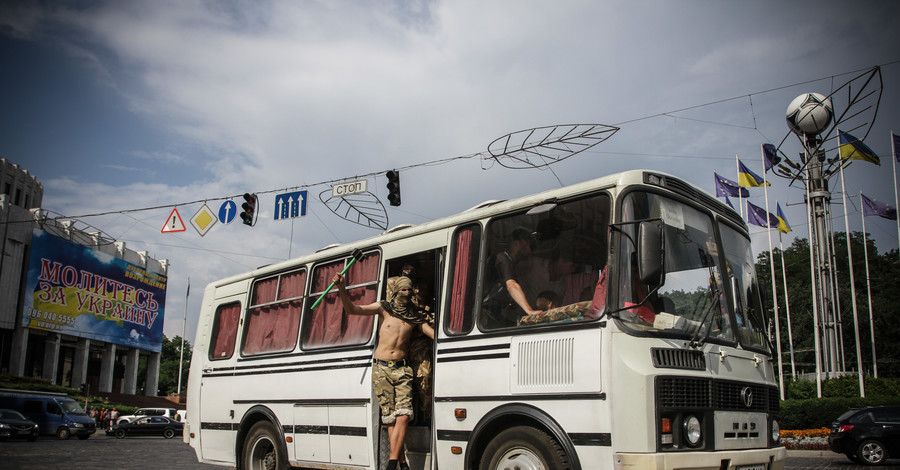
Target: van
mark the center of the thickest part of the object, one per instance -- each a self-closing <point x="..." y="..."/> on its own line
<point x="57" y="415"/>
<point x="166" y="412"/>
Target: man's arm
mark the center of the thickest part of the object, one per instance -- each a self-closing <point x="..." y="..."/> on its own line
<point x="349" y="307"/>
<point x="515" y="291"/>
<point x="427" y="329"/>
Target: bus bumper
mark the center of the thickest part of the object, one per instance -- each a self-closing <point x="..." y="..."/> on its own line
<point x="754" y="459"/>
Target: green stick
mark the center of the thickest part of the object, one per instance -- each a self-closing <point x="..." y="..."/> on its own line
<point x="357" y="254"/>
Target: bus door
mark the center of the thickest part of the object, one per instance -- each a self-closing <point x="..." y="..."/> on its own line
<point x="217" y="412"/>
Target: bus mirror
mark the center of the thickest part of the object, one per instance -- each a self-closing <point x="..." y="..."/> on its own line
<point x="651" y="253"/>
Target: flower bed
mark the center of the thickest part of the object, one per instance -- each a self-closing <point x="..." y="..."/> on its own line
<point x="805" y="439"/>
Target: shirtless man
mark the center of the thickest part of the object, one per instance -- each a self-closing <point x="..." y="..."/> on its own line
<point x="392" y="375"/>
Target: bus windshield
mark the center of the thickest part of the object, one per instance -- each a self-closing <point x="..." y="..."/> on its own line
<point x="705" y="296"/>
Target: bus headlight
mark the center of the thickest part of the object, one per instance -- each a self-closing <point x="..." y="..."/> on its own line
<point x="692" y="433"/>
<point x="776" y="432"/>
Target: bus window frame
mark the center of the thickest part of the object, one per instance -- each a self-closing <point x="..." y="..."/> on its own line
<point x="302" y="269"/>
<point x="484" y="261"/>
<point x="305" y="316"/>
<point x="469" y="315"/>
<point x="215" y="330"/>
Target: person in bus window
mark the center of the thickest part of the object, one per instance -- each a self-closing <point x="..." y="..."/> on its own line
<point x="392" y="375"/>
<point x="508" y="287"/>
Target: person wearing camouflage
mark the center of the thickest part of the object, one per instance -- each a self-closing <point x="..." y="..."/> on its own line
<point x="391" y="373"/>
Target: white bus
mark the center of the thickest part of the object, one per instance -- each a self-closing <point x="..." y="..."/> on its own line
<point x="652" y="353"/>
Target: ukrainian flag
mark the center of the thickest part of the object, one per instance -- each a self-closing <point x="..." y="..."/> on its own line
<point x="783" y="226"/>
<point x="854" y="149"/>
<point x="749" y="179"/>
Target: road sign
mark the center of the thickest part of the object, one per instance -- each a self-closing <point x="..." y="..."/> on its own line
<point x="227" y="212"/>
<point x="346" y="189"/>
<point x="203" y="220"/>
<point x="290" y="205"/>
<point x="173" y="223"/>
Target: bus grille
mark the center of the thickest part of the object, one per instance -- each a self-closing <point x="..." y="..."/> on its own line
<point x="678" y="359"/>
<point x="546" y="362"/>
<point x="702" y="393"/>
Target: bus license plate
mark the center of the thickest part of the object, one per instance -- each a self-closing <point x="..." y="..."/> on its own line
<point x="760" y="466"/>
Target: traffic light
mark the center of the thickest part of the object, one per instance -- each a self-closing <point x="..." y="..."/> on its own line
<point x="249" y="214"/>
<point x="393" y="187"/>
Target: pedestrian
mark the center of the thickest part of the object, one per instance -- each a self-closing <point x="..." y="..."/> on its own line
<point x="94" y="414"/>
<point x="113" y="417"/>
<point x="103" y="418"/>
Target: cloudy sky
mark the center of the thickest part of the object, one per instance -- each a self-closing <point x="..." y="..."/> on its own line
<point x="123" y="105"/>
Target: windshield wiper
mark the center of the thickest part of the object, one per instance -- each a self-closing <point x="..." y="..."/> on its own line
<point x="696" y="342"/>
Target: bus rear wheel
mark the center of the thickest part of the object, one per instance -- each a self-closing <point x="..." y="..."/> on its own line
<point x="263" y="449"/>
<point x="523" y="448"/>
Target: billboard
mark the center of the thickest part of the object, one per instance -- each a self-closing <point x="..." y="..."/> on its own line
<point x="81" y="291"/>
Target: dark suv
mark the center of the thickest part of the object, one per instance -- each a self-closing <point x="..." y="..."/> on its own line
<point x="867" y="435"/>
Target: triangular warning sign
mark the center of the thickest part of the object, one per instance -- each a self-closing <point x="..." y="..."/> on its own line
<point x="173" y="223"/>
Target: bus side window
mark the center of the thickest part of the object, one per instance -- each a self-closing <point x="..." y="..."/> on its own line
<point x="463" y="277"/>
<point x="224" y="332"/>
<point x="273" y="318"/>
<point x="328" y="324"/>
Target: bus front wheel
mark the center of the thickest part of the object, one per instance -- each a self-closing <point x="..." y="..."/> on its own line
<point x="263" y="449"/>
<point x="524" y="448"/>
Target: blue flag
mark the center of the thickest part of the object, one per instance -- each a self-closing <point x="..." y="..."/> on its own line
<point x="726" y="187"/>
<point x="758" y="216"/>
<point x="770" y="156"/>
<point x="874" y="207"/>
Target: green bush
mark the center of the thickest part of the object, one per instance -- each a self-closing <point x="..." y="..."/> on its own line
<point x="803" y="410"/>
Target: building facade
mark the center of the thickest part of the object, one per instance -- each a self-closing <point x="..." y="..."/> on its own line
<point x="64" y="356"/>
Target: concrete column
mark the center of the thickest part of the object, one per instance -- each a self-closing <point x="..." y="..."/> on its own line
<point x="51" y="357"/>
<point x="131" y="371"/>
<point x="152" y="388"/>
<point x="80" y="362"/>
<point x="107" y="368"/>
<point x="17" y="351"/>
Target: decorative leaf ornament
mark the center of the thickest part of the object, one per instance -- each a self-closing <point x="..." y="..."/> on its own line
<point x="542" y="146"/>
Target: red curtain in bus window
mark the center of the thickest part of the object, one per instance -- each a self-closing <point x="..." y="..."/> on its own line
<point x="292" y="285"/>
<point x="264" y="291"/>
<point x="224" y="331"/>
<point x="357" y="328"/>
<point x="328" y="325"/>
<point x="272" y="327"/>
<point x="460" y="281"/>
<point x="328" y="308"/>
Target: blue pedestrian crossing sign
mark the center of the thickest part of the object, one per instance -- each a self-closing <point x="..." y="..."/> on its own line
<point x="290" y="205"/>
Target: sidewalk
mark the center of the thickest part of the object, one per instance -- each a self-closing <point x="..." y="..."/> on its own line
<point x="811" y="454"/>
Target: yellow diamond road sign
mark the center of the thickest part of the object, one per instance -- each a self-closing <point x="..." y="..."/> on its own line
<point x="203" y="220"/>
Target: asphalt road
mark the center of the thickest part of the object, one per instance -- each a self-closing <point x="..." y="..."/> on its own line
<point x="155" y="453"/>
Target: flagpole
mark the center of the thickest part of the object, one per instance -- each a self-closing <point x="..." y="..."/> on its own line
<point x="187" y="295"/>
<point x="787" y="308"/>
<point x="862" y="386"/>
<point x="896" y="198"/>
<point x="868" y="286"/>
<point x="835" y="291"/>
<point x="815" y="294"/>
<point x="737" y="167"/>
<point x="772" y="271"/>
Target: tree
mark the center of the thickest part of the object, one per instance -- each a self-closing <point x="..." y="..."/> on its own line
<point x="168" y="365"/>
<point x="884" y="270"/>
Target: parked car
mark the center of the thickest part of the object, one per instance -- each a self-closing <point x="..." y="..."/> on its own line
<point x="57" y="415"/>
<point x="166" y="412"/>
<point x="147" y="426"/>
<point x="867" y="435"/>
<point x="14" y="425"/>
